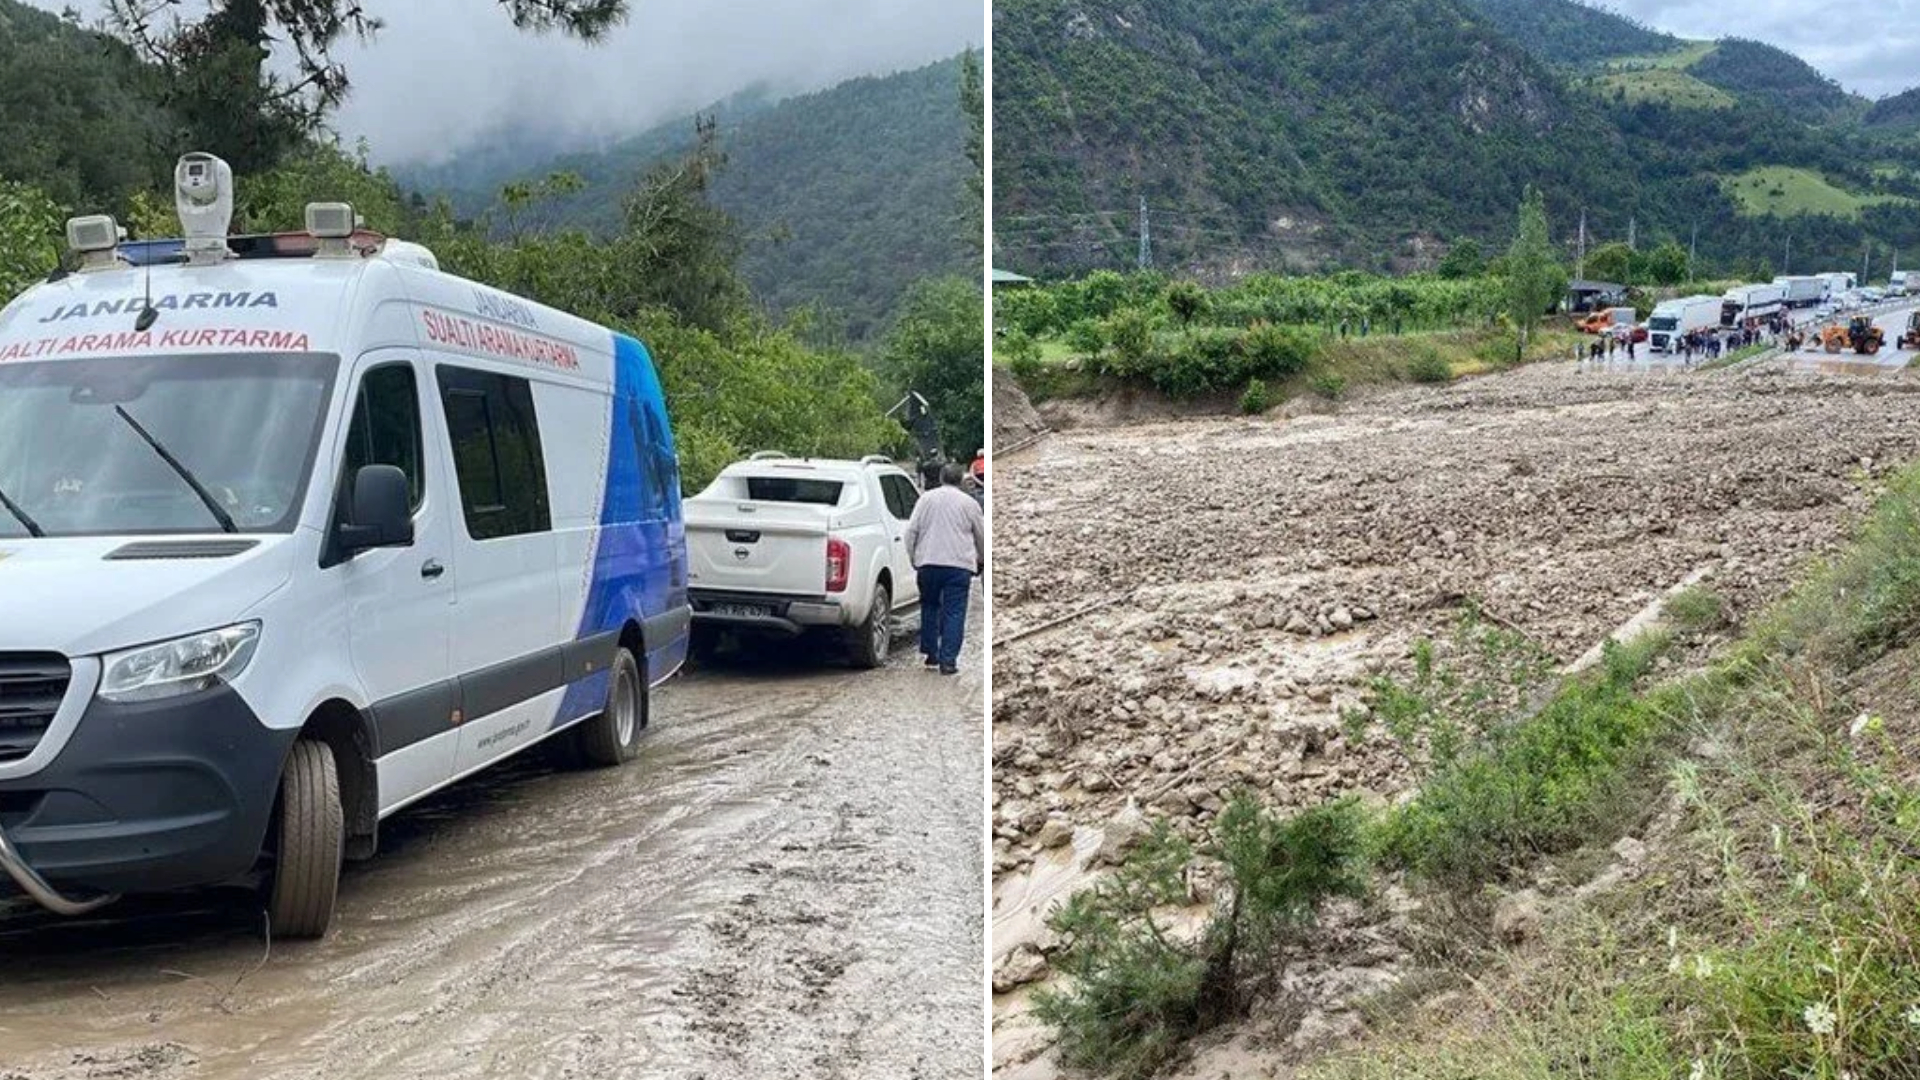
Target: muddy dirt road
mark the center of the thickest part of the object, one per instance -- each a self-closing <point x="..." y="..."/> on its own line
<point x="785" y="884"/>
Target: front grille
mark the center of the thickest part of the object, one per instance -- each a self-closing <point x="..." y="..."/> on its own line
<point x="31" y="686"/>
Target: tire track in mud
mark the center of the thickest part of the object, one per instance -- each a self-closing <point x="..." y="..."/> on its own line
<point x="791" y="845"/>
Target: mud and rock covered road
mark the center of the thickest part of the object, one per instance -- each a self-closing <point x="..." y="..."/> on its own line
<point x="1258" y="572"/>
<point x="786" y="883"/>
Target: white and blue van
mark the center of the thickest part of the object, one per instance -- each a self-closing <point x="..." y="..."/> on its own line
<point x="295" y="530"/>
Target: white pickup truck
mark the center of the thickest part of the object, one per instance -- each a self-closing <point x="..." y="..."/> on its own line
<point x="784" y="546"/>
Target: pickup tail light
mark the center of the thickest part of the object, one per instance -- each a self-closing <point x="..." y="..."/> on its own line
<point x="839" y="562"/>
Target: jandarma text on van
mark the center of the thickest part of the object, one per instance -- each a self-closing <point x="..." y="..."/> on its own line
<point x="131" y="305"/>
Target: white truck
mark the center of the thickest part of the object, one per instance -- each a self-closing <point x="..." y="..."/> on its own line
<point x="1751" y="302"/>
<point x="1839" y="282"/>
<point x="781" y="546"/>
<point x="1675" y="319"/>
<point x="1804" y="291"/>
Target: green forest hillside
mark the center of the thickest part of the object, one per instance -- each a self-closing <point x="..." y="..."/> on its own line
<point x="80" y="118"/>
<point x="1572" y="33"/>
<point x="843" y="196"/>
<point x="1300" y="134"/>
<point x="1296" y="132"/>
<point x="1899" y="113"/>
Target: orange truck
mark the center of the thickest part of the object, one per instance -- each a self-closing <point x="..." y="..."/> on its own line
<point x="1606" y="319"/>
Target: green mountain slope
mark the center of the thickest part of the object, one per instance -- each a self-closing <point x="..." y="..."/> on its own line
<point x="1293" y="134"/>
<point x="1756" y="72"/>
<point x="847" y="195"/>
<point x="1572" y="33"/>
<point x="1899" y="113"/>
<point x="1304" y="130"/>
<point x="79" y="117"/>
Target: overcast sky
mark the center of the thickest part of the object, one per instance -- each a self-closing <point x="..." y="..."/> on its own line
<point x="446" y="71"/>
<point x="1871" y="46"/>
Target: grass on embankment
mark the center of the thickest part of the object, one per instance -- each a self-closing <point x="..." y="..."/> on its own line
<point x="1774" y="930"/>
<point x="1505" y="785"/>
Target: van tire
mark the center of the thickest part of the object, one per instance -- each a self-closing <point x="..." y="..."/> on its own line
<point x="613" y="737"/>
<point x="872" y="641"/>
<point x="311" y="840"/>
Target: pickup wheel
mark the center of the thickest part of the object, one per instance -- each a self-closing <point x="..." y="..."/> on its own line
<point x="613" y="737"/>
<point x="309" y="844"/>
<point x="872" y="641"/>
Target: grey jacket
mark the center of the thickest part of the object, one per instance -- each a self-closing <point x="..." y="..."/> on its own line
<point x="948" y="529"/>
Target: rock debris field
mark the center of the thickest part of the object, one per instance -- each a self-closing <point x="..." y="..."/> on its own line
<point x="1249" y="576"/>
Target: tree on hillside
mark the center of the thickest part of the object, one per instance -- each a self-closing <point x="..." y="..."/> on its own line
<point x="29" y="223"/>
<point x="1463" y="260"/>
<point x="1667" y="264"/>
<point x="1533" y="274"/>
<point x="1611" y="262"/>
<point x="230" y="104"/>
<point x="935" y="349"/>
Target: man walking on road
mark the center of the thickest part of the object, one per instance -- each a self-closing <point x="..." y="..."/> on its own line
<point x="947" y="541"/>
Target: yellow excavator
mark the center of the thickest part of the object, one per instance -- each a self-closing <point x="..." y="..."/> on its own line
<point x="1865" y="336"/>
<point x="1860" y="334"/>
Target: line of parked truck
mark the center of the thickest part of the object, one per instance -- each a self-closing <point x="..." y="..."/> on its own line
<point x="1672" y="321"/>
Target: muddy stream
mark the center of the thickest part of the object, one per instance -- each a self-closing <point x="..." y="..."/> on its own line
<point x="786" y="883"/>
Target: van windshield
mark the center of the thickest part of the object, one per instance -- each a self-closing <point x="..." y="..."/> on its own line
<point x="74" y="461"/>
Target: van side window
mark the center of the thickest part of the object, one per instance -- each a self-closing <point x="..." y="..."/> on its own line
<point x="496" y="452"/>
<point x="386" y="427"/>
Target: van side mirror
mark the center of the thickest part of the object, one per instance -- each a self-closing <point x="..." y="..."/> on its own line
<point x="380" y="512"/>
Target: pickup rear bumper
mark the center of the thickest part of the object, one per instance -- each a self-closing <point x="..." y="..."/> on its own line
<point x="766" y="613"/>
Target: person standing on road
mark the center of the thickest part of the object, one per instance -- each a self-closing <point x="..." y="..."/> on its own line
<point x="947" y="541"/>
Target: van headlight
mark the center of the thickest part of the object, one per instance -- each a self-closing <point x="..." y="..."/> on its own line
<point x="180" y="666"/>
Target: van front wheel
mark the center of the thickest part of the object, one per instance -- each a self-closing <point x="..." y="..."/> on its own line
<point x="613" y="737"/>
<point x="306" y="868"/>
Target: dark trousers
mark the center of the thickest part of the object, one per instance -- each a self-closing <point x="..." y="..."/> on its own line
<point x="943" y="611"/>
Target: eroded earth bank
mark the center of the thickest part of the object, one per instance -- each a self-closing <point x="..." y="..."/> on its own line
<point x="1188" y="608"/>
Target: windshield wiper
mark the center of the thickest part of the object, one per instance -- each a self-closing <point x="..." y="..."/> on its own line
<point x="213" y="505"/>
<point x="33" y="527"/>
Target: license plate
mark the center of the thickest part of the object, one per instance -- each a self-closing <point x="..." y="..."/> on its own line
<point x="745" y="611"/>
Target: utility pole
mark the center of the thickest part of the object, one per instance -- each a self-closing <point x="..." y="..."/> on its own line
<point x="1633" y="234"/>
<point x="1580" y="266"/>
<point x="1787" y="266"/>
<point x="1146" y="238"/>
<point x="1693" y="245"/>
<point x="1866" y="261"/>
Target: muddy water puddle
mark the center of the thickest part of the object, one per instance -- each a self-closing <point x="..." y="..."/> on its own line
<point x="741" y="901"/>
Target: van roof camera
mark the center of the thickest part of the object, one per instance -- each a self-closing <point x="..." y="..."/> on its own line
<point x="203" y="194"/>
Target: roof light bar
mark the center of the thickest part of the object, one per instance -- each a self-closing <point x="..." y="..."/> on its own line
<point x="95" y="238"/>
